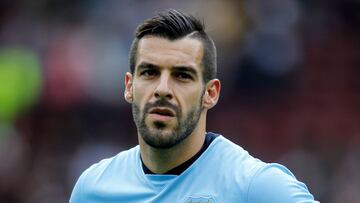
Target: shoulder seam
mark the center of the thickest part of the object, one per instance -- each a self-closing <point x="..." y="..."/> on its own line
<point x="252" y="179"/>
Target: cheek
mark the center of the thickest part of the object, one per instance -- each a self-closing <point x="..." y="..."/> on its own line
<point x="140" y="93"/>
<point x="190" y="98"/>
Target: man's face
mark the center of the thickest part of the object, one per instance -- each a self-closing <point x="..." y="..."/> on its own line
<point x="167" y="89"/>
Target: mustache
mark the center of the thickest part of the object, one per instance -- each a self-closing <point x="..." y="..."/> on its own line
<point x="162" y="103"/>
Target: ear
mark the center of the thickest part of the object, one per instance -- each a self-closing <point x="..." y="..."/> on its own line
<point x="128" y="87"/>
<point x="212" y="93"/>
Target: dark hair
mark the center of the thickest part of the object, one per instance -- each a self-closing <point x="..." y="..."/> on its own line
<point x="172" y="25"/>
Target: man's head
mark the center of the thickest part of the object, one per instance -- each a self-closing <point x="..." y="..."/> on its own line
<point x="169" y="87"/>
<point x="173" y="25"/>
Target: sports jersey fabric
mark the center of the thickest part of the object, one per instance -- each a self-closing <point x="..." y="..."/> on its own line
<point x="223" y="173"/>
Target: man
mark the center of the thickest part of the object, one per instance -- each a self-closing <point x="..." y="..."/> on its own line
<point x="171" y="87"/>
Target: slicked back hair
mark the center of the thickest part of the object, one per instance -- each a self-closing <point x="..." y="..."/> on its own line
<point x="172" y="25"/>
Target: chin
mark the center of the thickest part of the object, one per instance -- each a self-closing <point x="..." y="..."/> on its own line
<point x="162" y="133"/>
<point x="160" y="138"/>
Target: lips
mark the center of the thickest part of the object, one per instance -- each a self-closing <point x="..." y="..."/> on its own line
<point x="162" y="112"/>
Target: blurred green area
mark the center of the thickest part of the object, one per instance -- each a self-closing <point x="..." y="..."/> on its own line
<point x="20" y="81"/>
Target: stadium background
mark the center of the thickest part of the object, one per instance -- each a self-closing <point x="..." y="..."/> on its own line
<point x="289" y="68"/>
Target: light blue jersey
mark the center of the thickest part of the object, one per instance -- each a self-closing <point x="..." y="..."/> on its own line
<point x="224" y="173"/>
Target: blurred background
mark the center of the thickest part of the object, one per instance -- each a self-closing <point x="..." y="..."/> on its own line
<point x="289" y="68"/>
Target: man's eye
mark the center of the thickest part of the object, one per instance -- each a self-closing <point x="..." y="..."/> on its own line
<point x="148" y="73"/>
<point x="183" y="76"/>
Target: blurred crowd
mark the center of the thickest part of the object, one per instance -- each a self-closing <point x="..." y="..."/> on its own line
<point x="290" y="88"/>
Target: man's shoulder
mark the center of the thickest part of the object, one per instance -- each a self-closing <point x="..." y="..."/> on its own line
<point x="237" y="156"/>
<point x="234" y="159"/>
<point x="104" y="174"/>
<point x="275" y="182"/>
<point x="243" y="164"/>
<point x="116" y="162"/>
<point x="260" y="181"/>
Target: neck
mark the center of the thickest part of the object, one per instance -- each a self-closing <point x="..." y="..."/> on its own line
<point x="162" y="160"/>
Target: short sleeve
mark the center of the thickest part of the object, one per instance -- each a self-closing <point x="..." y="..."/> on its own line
<point x="275" y="183"/>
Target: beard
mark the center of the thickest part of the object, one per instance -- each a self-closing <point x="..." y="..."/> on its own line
<point x="156" y="136"/>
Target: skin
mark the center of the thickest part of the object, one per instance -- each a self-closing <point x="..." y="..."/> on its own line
<point x="171" y="72"/>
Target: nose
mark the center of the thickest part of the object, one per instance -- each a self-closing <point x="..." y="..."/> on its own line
<point x="163" y="89"/>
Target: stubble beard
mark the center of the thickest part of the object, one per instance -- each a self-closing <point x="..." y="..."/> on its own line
<point x="156" y="136"/>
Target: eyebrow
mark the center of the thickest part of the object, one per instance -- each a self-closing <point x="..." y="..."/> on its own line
<point x="189" y="69"/>
<point x="147" y="66"/>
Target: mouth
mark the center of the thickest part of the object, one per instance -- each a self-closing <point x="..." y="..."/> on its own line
<point x="162" y="112"/>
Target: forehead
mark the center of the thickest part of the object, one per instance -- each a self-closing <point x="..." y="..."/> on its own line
<point x="167" y="53"/>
